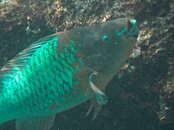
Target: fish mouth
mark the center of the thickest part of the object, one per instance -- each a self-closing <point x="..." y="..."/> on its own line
<point x="135" y="35"/>
<point x="133" y="30"/>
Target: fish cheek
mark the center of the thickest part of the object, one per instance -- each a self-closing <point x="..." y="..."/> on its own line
<point x="130" y="41"/>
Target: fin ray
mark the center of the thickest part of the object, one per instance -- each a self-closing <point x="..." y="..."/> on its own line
<point x="35" y="123"/>
<point x="98" y="101"/>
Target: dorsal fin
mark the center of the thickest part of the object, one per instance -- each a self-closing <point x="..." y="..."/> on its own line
<point x="47" y="38"/>
<point x="19" y="61"/>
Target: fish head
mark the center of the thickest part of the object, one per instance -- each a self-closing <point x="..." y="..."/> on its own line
<point x="114" y="43"/>
<point x="119" y="31"/>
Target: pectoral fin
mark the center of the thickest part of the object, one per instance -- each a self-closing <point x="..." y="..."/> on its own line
<point x="35" y="123"/>
<point x="100" y="96"/>
<point x="99" y="99"/>
<point x="97" y="108"/>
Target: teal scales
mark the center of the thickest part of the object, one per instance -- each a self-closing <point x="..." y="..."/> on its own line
<point x="53" y="79"/>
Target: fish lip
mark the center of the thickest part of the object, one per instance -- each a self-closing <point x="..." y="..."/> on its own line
<point x="135" y="36"/>
<point x="134" y="33"/>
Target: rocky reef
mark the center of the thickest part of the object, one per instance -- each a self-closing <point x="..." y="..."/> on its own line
<point x="141" y="95"/>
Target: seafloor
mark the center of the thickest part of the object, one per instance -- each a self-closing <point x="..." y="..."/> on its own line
<point x="141" y="95"/>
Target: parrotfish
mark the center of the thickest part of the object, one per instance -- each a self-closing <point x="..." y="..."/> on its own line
<point x="63" y="70"/>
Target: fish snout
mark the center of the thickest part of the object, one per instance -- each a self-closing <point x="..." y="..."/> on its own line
<point x="133" y="29"/>
<point x="135" y="35"/>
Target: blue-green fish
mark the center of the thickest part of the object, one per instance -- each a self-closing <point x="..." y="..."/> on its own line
<point x="64" y="70"/>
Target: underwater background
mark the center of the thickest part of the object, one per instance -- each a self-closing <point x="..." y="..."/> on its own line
<point x="141" y="95"/>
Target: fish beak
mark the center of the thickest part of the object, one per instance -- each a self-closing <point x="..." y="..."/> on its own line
<point x="135" y="36"/>
<point x="133" y="30"/>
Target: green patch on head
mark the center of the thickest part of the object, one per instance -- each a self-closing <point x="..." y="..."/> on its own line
<point x="104" y="38"/>
<point x="119" y="33"/>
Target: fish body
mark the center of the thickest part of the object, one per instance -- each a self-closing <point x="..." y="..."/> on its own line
<point x="64" y="70"/>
